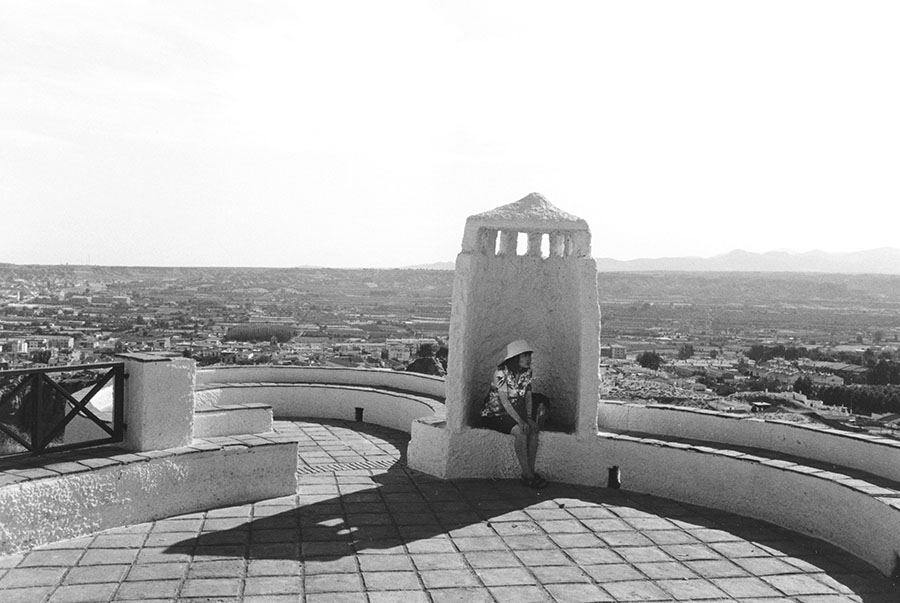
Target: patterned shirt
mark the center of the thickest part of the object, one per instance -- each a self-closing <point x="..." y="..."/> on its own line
<point x="516" y="385"/>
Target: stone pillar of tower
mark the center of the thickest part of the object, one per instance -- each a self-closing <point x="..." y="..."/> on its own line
<point x="525" y="271"/>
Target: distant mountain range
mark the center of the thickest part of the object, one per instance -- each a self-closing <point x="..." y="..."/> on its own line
<point x="885" y="260"/>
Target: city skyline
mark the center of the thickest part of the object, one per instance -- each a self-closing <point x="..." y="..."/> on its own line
<point x="363" y="135"/>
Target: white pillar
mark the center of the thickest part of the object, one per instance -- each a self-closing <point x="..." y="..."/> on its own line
<point x="159" y="401"/>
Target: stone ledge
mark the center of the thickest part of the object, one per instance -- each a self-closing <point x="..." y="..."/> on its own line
<point x="867" y="437"/>
<point x="872" y="454"/>
<point x="25" y="469"/>
<point x="147" y="357"/>
<point x="859" y="481"/>
<point x="369" y="388"/>
<point x="245" y="405"/>
<point x="380" y="405"/>
<point x="413" y="383"/>
<point x="79" y="494"/>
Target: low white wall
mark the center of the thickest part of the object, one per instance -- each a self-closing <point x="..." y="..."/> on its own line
<point x="51" y="509"/>
<point x="876" y="455"/>
<point x="417" y="383"/>
<point x="237" y="420"/>
<point x="304" y="400"/>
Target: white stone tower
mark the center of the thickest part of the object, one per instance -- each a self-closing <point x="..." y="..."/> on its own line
<point x="544" y="291"/>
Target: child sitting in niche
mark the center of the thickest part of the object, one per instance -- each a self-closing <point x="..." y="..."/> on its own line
<point x="512" y="408"/>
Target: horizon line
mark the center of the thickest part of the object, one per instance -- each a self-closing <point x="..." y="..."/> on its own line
<point x="425" y="266"/>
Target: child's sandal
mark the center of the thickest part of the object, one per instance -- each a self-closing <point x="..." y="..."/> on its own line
<point x="539" y="482"/>
<point x="536" y="482"/>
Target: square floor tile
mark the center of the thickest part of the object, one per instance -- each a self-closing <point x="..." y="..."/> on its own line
<point x="492" y="559"/>
<point x="430" y="561"/>
<point x="210" y="587"/>
<point x="220" y="568"/>
<point x="31" y="576"/>
<point x="745" y="587"/>
<point x="643" y="554"/>
<point x="665" y="570"/>
<point x="273" y="585"/>
<point x="391" y="581"/>
<point x="154" y="571"/>
<point x="537" y="558"/>
<point x="578" y="593"/>
<point x="505" y="576"/>
<point x="689" y="590"/>
<point x="765" y="566"/>
<point x="331" y="583"/>
<point x="612" y="572"/>
<point x="448" y="578"/>
<point x="343" y="565"/>
<point x="519" y="594"/>
<point x="336" y="597"/>
<point x="155" y="589"/>
<point x="398" y="596"/>
<point x="82" y="593"/>
<point x="461" y="595"/>
<point x="108" y="557"/>
<point x="431" y="545"/>
<point x="558" y="575"/>
<point x="799" y="584"/>
<point x="593" y="556"/>
<point x="26" y="595"/>
<point x="45" y="558"/>
<point x="630" y="538"/>
<point x="639" y="590"/>
<point x="96" y="574"/>
<point x="385" y="563"/>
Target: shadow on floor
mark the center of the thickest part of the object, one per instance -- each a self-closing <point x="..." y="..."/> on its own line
<point x="406" y="513"/>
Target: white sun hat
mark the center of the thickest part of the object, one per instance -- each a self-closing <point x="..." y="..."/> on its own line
<point x="519" y="346"/>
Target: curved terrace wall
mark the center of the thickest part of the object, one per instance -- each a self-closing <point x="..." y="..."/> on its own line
<point x="306" y="400"/>
<point x="872" y="454"/>
<point x="383" y="397"/>
<point x="414" y="383"/>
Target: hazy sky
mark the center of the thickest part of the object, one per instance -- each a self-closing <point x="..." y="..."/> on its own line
<point x="345" y="133"/>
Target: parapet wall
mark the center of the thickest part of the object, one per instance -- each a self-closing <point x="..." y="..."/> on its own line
<point x="314" y="401"/>
<point x="414" y="383"/>
<point x="872" y="454"/>
<point x="69" y="499"/>
<point x="389" y="398"/>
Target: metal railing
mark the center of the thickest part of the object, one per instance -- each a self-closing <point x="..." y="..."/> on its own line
<point x="35" y="409"/>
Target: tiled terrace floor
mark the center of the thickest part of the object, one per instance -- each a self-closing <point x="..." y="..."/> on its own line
<point x="364" y="528"/>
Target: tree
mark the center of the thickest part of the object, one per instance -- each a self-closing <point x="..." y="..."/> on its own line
<point x="758" y="352"/>
<point x="685" y="351"/>
<point x="40" y="356"/>
<point x="881" y="374"/>
<point x="650" y="360"/>
<point x="803" y="385"/>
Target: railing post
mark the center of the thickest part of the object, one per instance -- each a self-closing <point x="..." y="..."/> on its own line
<point x="119" y="403"/>
<point x="159" y="412"/>
<point x="37" y="390"/>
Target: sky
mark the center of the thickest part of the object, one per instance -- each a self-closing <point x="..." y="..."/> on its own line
<point x="362" y="134"/>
